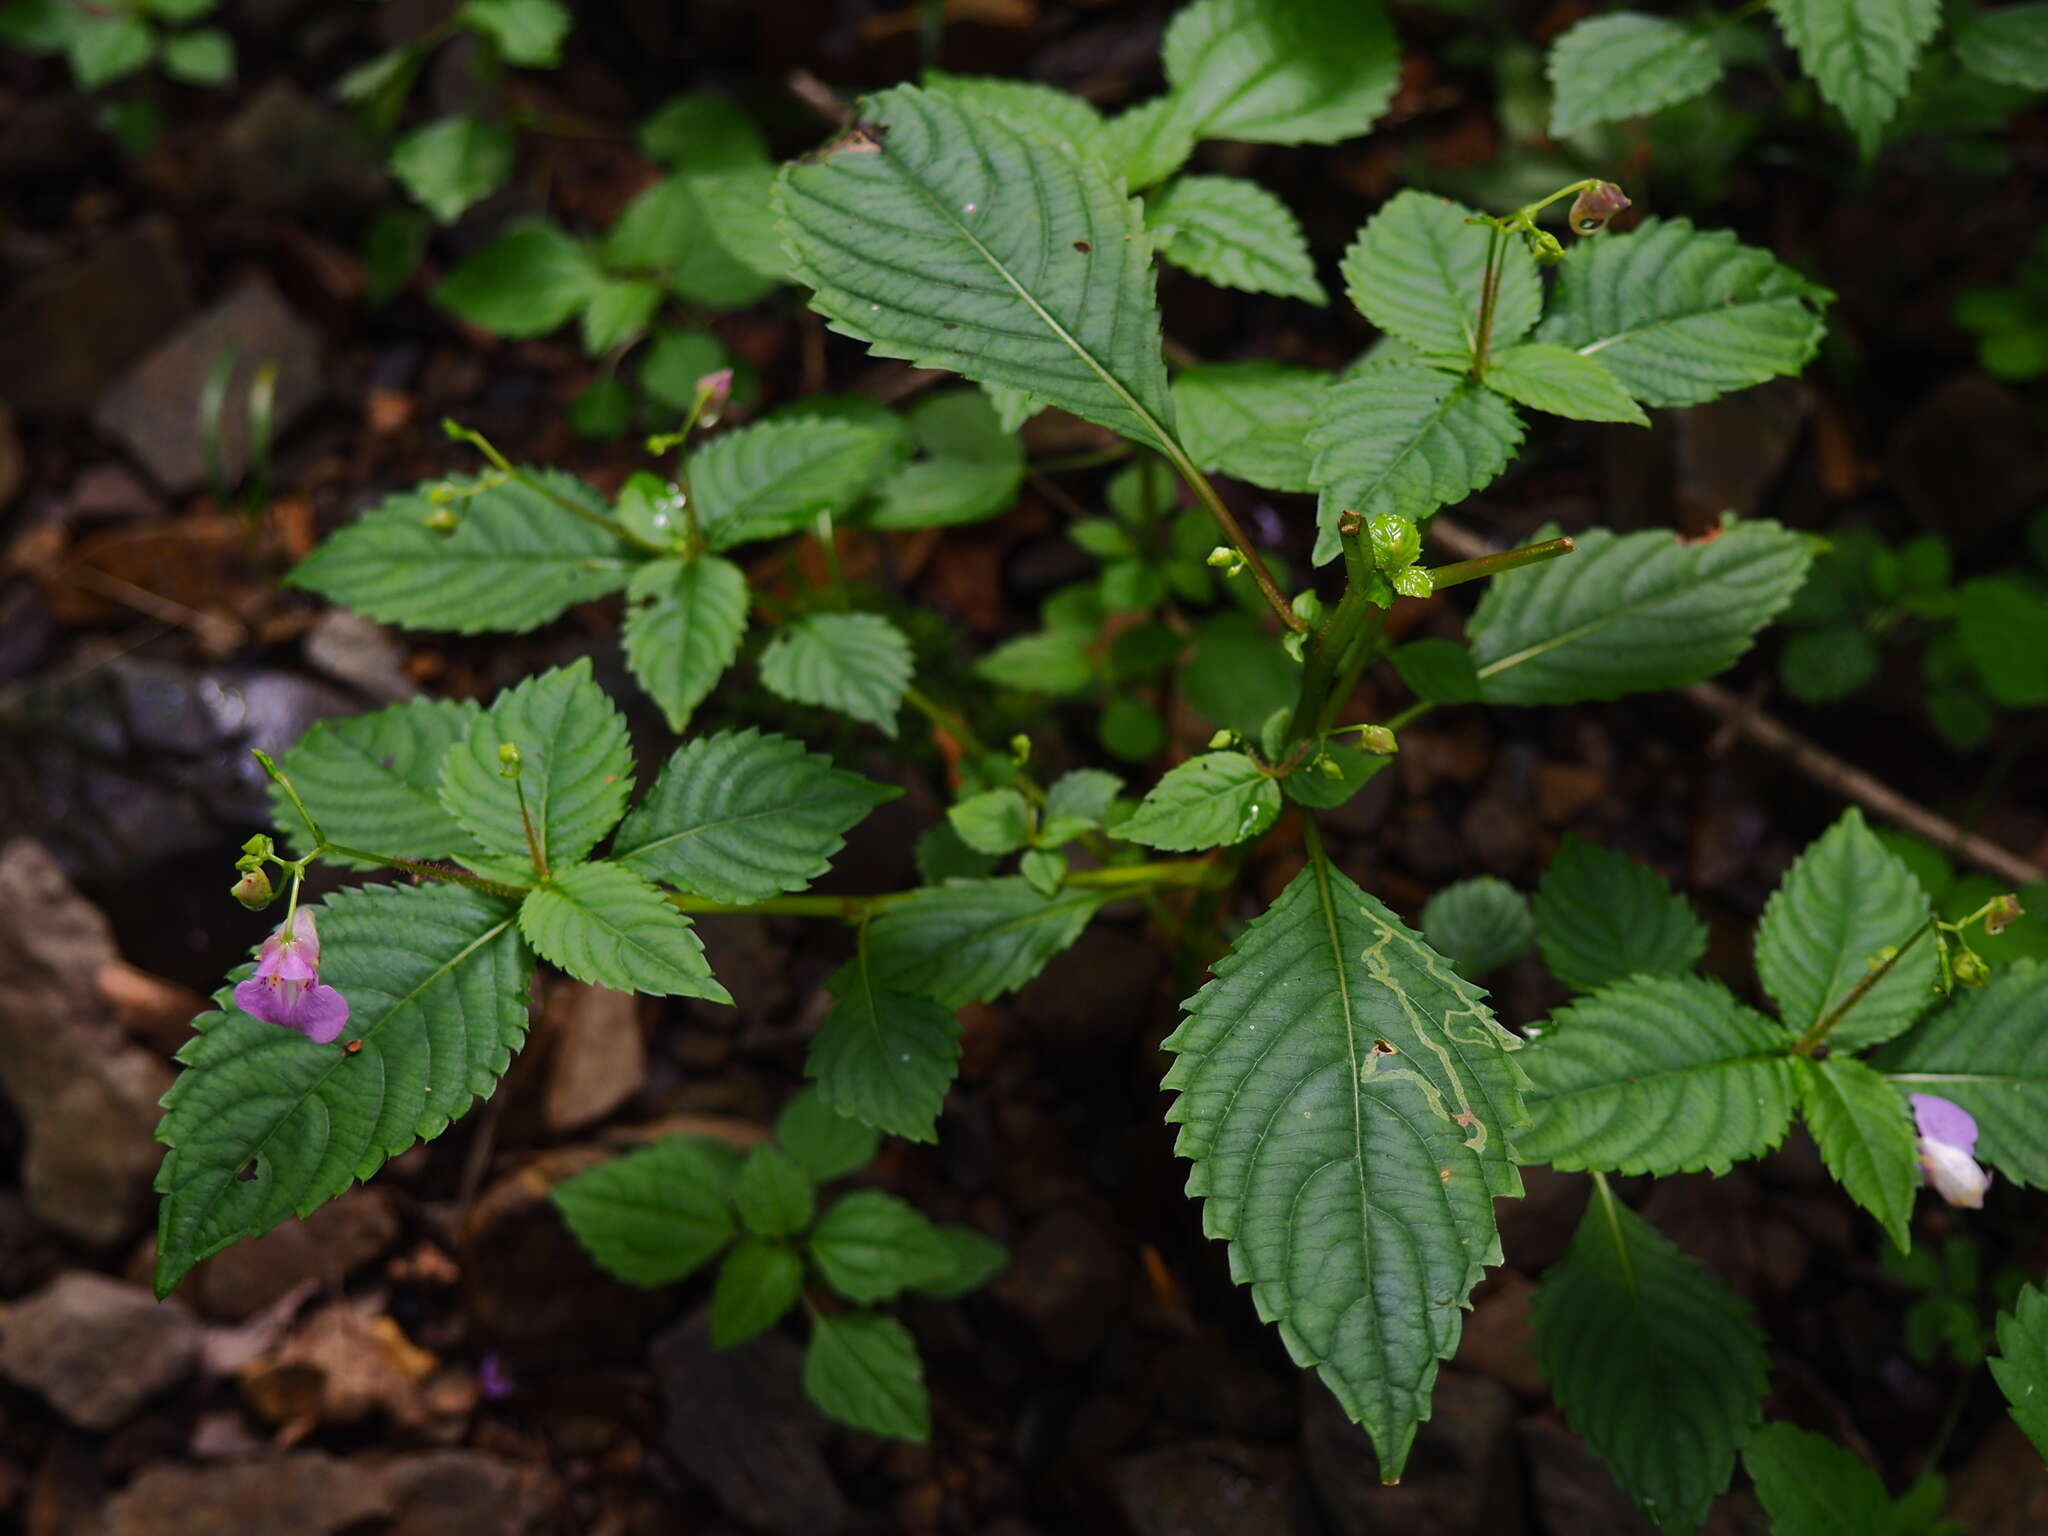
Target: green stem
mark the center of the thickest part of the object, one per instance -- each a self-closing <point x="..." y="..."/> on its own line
<point x="1489" y="294"/>
<point x="1233" y="531"/>
<point x="279" y="778"/>
<point x="828" y="545"/>
<point x="427" y="869"/>
<point x="461" y="434"/>
<point x="1824" y="1026"/>
<point x="1332" y="643"/>
<point x="1498" y="563"/>
<point x="1127" y="879"/>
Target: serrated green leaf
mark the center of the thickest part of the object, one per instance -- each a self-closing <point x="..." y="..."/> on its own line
<point x="1861" y="53"/>
<point x="758" y="1282"/>
<point x="514" y="561"/>
<point x="1632" y="612"/>
<point x="1045" y="110"/>
<point x="683" y="230"/>
<point x="1865" y="1136"/>
<point x="675" y="360"/>
<point x="1404" y="438"/>
<point x="1655" y="1362"/>
<point x="1847" y="898"/>
<point x="528" y="33"/>
<point x="1075" y="802"/>
<point x="2021" y="1364"/>
<point x="374" y="782"/>
<point x="1556" y="379"/>
<point x="1417" y="269"/>
<point x="968" y="941"/>
<point x="1281" y="71"/>
<point x="450" y="165"/>
<point x="741" y="816"/>
<point x="1479" y="924"/>
<point x="956" y="241"/>
<point x="1234" y="233"/>
<point x="1313" y="784"/>
<point x="1656" y="1074"/>
<point x="2002" y="626"/>
<point x="871" y="1247"/>
<point x="683" y="627"/>
<point x="862" y="1369"/>
<point x="527" y="282"/>
<point x="997" y="821"/>
<point x="773" y="1194"/>
<point x="1681" y="316"/>
<point x="972" y="1260"/>
<point x="2009" y="45"/>
<point x="656" y="1215"/>
<point x="1601" y="916"/>
<point x="971" y="467"/>
<point x="1209" y="801"/>
<point x="884" y="1058"/>
<point x="618" y="312"/>
<point x="1051" y="662"/>
<point x="1149" y="142"/>
<point x="1346" y="1100"/>
<point x="856" y="663"/>
<point x="774" y="477"/>
<point x="104" y="49"/>
<point x="1810" y="1486"/>
<point x="1250" y="420"/>
<point x="605" y="925"/>
<point x="1606" y="68"/>
<point x="1441" y="671"/>
<point x="1988" y="1051"/>
<point x="435" y="978"/>
<point x="826" y="1144"/>
<point x="576" y="768"/>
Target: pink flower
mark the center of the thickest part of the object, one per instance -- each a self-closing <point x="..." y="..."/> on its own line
<point x="1948" y="1143"/>
<point x="286" y="988"/>
<point x="716" y="389"/>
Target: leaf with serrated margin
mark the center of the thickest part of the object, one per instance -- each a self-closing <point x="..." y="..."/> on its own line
<point x="774" y="477"/>
<point x="1680" y="315"/>
<point x="968" y="941"/>
<point x="1606" y="68"/>
<point x="884" y="1058"/>
<point x="773" y="1194"/>
<point x="1404" y="438"/>
<point x="435" y="978"/>
<point x="957" y="241"/>
<point x="1654" y="1361"/>
<point x="373" y="782"/>
<point x="576" y="767"/>
<point x="1234" y="233"/>
<point x="1281" y="71"/>
<point x="856" y="663"/>
<point x="1563" y="382"/>
<point x="758" y="1282"/>
<point x="1810" y="1486"/>
<point x="1042" y="109"/>
<point x="971" y="468"/>
<point x="826" y="1144"/>
<point x="742" y="816"/>
<point x="605" y="925"/>
<point x="514" y="561"/>
<point x="1346" y="1100"/>
<point x="1147" y="143"/>
<point x="871" y="1247"/>
<point x="1211" y="801"/>
<point x="862" y="1369"/>
<point x="1250" y="420"/>
<point x="1479" y="924"/>
<point x="1865" y="1136"/>
<point x="1655" y="1074"/>
<point x="1631" y="613"/>
<point x="1417" y="270"/>
<point x="654" y="1216"/>
<point x="683" y="627"/>
<point x="1601" y="916"/>
<point x="2021" y="1364"/>
<point x="1861" y="53"/>
<point x="1847" y="898"/>
<point x="1988" y="1051"/>
<point x="2009" y="45"/>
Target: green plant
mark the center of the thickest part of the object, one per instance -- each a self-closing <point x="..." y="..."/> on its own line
<point x="107" y="43"/>
<point x="2010" y="321"/>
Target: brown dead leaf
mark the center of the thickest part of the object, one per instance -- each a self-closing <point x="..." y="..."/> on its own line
<point x="339" y="1366"/>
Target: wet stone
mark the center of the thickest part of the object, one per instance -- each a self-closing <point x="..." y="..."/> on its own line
<point x="288" y="152"/>
<point x="1067" y="1277"/>
<point x="66" y="334"/>
<point x="96" y="1349"/>
<point x="1208" y="1488"/>
<point x="305" y="1493"/>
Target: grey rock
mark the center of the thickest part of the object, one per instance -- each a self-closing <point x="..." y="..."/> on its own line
<point x="64" y="335"/>
<point x="468" y="1493"/>
<point x="1207" y="1488"/>
<point x="362" y="653"/>
<point x="97" y="1349"/>
<point x="304" y="1493"/>
<point x="1460" y="1480"/>
<point x="287" y="152"/>
<point x="339" y="1237"/>
<point x="1068" y="1277"/>
<point x="153" y="412"/>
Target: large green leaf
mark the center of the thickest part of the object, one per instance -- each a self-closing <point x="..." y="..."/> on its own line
<point x="514" y="561"/>
<point x="1479" y="924"/>
<point x="1281" y="71"/>
<point x="1654" y="1361"/>
<point x="872" y="1247"/>
<point x="774" y="477"/>
<point x="856" y="663"/>
<point x="1655" y="1074"/>
<point x="1251" y="420"/>
<point x="653" y="1216"/>
<point x="1810" y="1486"/>
<point x="1235" y="233"/>
<point x="1601" y="916"/>
<point x="2009" y="45"/>
<point x="1988" y="1051"/>
<point x="968" y="941"/>
<point x="263" y="1124"/>
<point x="1043" y="109"/>
<point x="1346" y="1099"/>
<point x="605" y="925"/>
<point x="683" y="627"/>
<point x="1632" y="612"/>
<point x="970" y="466"/>
<point x="862" y="1369"/>
<point x="374" y="782"/>
<point x="1547" y="377"/>
<point x="1846" y="899"/>
<point x="1861" y="53"/>
<point x="2021" y="1364"/>
<point x="685" y="230"/>
<point x="884" y="1058"/>
<point x="529" y="281"/>
<point x="1417" y="270"/>
<point x="452" y="163"/>
<point x="1626" y="65"/>
<point x="1209" y="801"/>
<point x="576" y="768"/>
<point x="1865" y="1136"/>
<point x="1404" y="438"/>
<point x="826" y="1144"/>
<point x="528" y="33"/>
<point x="1681" y="315"/>
<point x="742" y="816"/>
<point x="958" y="241"/>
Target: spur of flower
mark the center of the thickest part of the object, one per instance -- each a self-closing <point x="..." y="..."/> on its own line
<point x="1947" y="1146"/>
<point x="286" y="988"/>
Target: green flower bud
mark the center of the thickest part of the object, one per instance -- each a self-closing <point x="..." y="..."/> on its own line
<point x="1020" y="747"/>
<point x="1395" y="541"/>
<point x="1971" y="971"/>
<point x="1379" y="740"/>
<point x="1592" y="208"/>
<point x="2005" y="911"/>
<point x="444" y="520"/>
<point x="253" y="890"/>
<point x="508" y="760"/>
<point x="1222" y="739"/>
<point x="1225" y="559"/>
<point x="1544" y="246"/>
<point x="1413" y="582"/>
